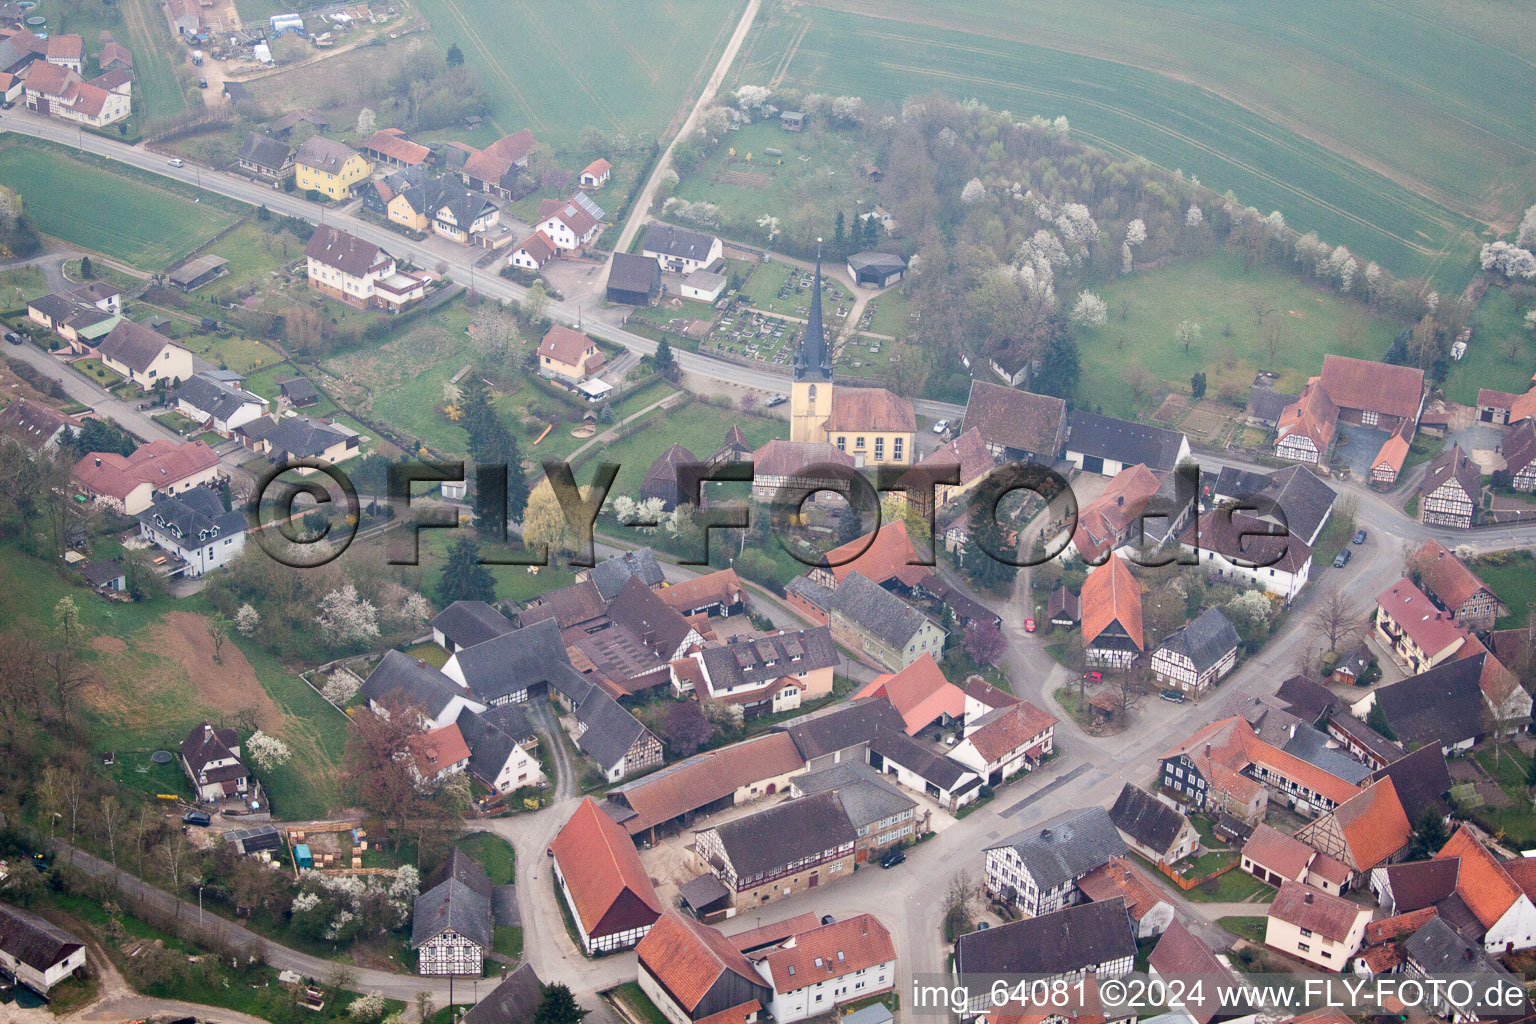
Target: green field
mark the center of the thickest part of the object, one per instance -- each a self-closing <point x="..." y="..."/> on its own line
<point x="90" y="203"/>
<point x="697" y="426"/>
<point x="1502" y="352"/>
<point x="1216" y="293"/>
<point x="1306" y="108"/>
<point x="19" y="286"/>
<point x="1511" y="575"/>
<point x="558" y="68"/>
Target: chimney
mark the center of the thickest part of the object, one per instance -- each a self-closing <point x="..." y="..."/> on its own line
<point x="1207" y="750"/>
<point x="1306" y="898"/>
<point x="98" y="460"/>
<point x="207" y="732"/>
<point x="421" y="663"/>
<point x="1468" y="955"/>
<point x="1045" y="833"/>
<point x="1120" y="499"/>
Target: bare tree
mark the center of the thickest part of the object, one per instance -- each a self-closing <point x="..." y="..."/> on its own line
<point x="1127" y="688"/>
<point x="1506" y="702"/>
<point x="1262" y="307"/>
<point x="1335" y="619"/>
<point x="1274" y="341"/>
<point x="75" y="790"/>
<point x="112" y="818"/>
<point x="175" y="851"/>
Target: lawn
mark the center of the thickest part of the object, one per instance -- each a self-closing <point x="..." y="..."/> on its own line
<point x="1216" y="293"/>
<point x="513" y="582"/>
<point x="492" y="853"/>
<point x="20" y="286"/>
<point x="131" y="216"/>
<point x="1512" y="575"/>
<point x="887" y="314"/>
<point x="632" y="68"/>
<point x="769" y="279"/>
<point x="697" y="426"/>
<point x="1258" y="113"/>
<point x="1500" y="353"/>
<point x="1250" y="928"/>
<point x="638" y="1004"/>
<point x="1515" y="824"/>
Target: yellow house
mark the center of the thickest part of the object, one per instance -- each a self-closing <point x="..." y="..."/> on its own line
<point x="403" y="212"/>
<point x="144" y="356"/>
<point x="329" y="167"/>
<point x="568" y="356"/>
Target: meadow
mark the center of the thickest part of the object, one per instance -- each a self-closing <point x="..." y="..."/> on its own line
<point x="1398" y="155"/>
<point x="1219" y="295"/>
<point x="558" y="68"/>
<point x="1502" y="351"/>
<point x="90" y="203"/>
<point x="140" y="26"/>
<point x="697" y="426"/>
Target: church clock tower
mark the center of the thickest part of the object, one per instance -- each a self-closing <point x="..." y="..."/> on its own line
<point x="810" y="398"/>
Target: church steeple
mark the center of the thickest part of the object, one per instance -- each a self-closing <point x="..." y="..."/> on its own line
<point x="813" y="359"/>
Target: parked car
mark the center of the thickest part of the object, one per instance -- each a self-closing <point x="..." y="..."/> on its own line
<point x="983" y="926"/>
<point x="176" y="161"/>
<point x="202" y="83"/>
<point x="893" y="858"/>
<point x="776" y="400"/>
<point x="1172" y="696"/>
<point x="941" y="426"/>
<point x="1359" y="537"/>
<point x="1029" y="625"/>
<point x="199" y="818"/>
<point x="1094" y="676"/>
<point x="13" y="337"/>
<point x="1342" y="558"/>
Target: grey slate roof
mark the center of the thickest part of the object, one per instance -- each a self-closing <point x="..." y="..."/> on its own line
<point x="1439" y="951"/>
<point x="1124" y="441"/>
<point x="101" y="571"/>
<point x="647" y="616"/>
<point x="303" y="437"/>
<point x="895" y="745"/>
<point x="514" y="1001"/>
<point x="1205" y="640"/>
<point x="265" y="151"/>
<point x="32" y="940"/>
<point x="1067" y="940"/>
<point x="514" y="661"/>
<point x="679" y="243"/>
<point x="1302" y="496"/>
<point x="765" y="841"/>
<point x="1145" y="818"/>
<point x="453" y="904"/>
<point x="865" y="796"/>
<point x="1067" y="846"/>
<point x="194" y="516"/>
<point x="632" y="272"/>
<point x="1306" y="698"/>
<point x="1442" y="706"/>
<point x="298" y="389"/>
<point x="885" y="261"/>
<point x="324" y="154"/>
<point x="746" y="661"/>
<point x="467" y="623"/>
<point x="877" y="610"/>
<point x="814" y="593"/>
<point x="611" y="731"/>
<point x="610" y="575"/>
<point x="1316" y="748"/>
<point x="217" y="398"/>
<point x="853" y="723"/>
<point x="416" y="683"/>
<point x="489" y="746"/>
<point x="462" y="866"/>
<point x="134" y="345"/>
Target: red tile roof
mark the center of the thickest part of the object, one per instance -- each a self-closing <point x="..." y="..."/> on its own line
<point x="723" y="586"/>
<point x="1234" y="746"/>
<point x="688" y="958"/>
<point x="705" y="778"/>
<point x="775" y="933"/>
<point x="1522" y="871"/>
<point x="48" y="79"/>
<point x="1374" y="824"/>
<point x="872" y="409"/>
<point x="890" y="555"/>
<point x="735" y="1015"/>
<point x="607" y="882"/>
<point x="1379" y="387"/>
<point x="968" y="451"/>
<point x="497" y="159"/>
<point x="571" y="213"/>
<point x="1445" y="575"/>
<point x="1482" y="883"/>
<point x="789" y="458"/>
<point x="1389" y="928"/>
<point x="1313" y="414"/>
<point x="1393" y="453"/>
<point x="1427" y="626"/>
<point x="158" y="463"/>
<point x="1006" y="730"/>
<point x="1103" y="520"/>
<point x="1179" y="954"/>
<point x="919" y="691"/>
<point x="1306" y="907"/>
<point x="436" y="749"/>
<point x="392" y="144"/>
<point x="540" y="246"/>
<point x="1120" y="877"/>
<point x="1285" y="855"/>
<point x="66" y="47"/>
<point x="1110" y="594"/>
<point x="569" y="347"/>
<point x="597" y="168"/>
<point x="831" y="951"/>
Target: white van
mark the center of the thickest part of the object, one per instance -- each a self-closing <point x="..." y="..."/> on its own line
<point x="177" y="161"/>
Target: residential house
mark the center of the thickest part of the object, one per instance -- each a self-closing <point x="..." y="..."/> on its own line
<point x="1194" y="657"/>
<point x="390" y="147"/>
<point x="451" y="922"/>
<point x="633" y="279"/>
<point x="1108" y="523"/>
<point x="612" y="573"/>
<point x="211" y="759"/>
<point x="1363" y="831"/>
<point x="571" y="224"/>
<point x="876" y="622"/>
<point x="1005" y="741"/>
<point x="762" y="675"/>
<point x="1451" y="492"/>
<point x="1016" y="425"/>
<point x="1272" y="856"/>
<point x="1070" y="943"/>
<point x="881" y="815"/>
<point x="1151" y="913"/>
<point x="1111" y="607"/>
<point x="1178" y="959"/>
<point x="194" y="526"/>
<point x="359" y="273"/>
<point x="1421" y="779"/>
<point x="596" y="174"/>
<point x="876" y="269"/>
<point x="516" y="998"/>
<point x="966" y="456"/>
<point x="67" y="50"/>
<point x="1454" y="588"/>
<point x="144" y="356"/>
<point x="691" y="972"/>
<point x="1107" y="446"/>
<point x="1306" y="427"/>
<point x="887" y="557"/>
<point x="1437" y="952"/>
<point x="920" y="693"/>
<point x="400" y="680"/>
<point x="494" y="169"/>
<point x="36" y="426"/>
<point x="1519" y="451"/>
<point x="526" y="664"/>
<point x="499" y="741"/>
<point x="1294" y="498"/>
<point x="1036" y="871"/>
<point x="435" y="754"/>
<point x="1503" y="911"/>
<point x="1373" y="394"/>
<point x="1445" y="706"/>
<point x="1318" y="927"/>
<point x="265" y="157"/>
<point x="784" y="470"/>
<point x="444" y="208"/>
<point x="219" y="404"/>
<point x="679" y="250"/>
<point x="920" y="768"/>
<point x="568" y="356"/>
<point x="602" y="881"/>
<point x="1250" y="549"/>
<point x="59" y="92"/>
<point x="1363" y="743"/>
<point x="296" y="438"/>
<point x="781" y="850"/>
<point x="714" y="594"/>
<point x="1419" y="635"/>
<point x="1152" y="828"/>
<point x="332" y="169"/>
<point x="533" y="252"/>
<point x="159" y="467"/>
<point x="613" y="737"/>
<point x="35" y="952"/>
<point x="817" y="970"/>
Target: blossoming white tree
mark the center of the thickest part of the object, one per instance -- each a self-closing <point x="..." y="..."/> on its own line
<point x="346" y="618"/>
<point x="1089" y="310"/>
<point x="1509" y="260"/>
<point x="266" y="752"/>
<point x="973" y="192"/>
<point x="247" y="620"/>
<point x="1527" y="232"/>
<point x="1193" y="216"/>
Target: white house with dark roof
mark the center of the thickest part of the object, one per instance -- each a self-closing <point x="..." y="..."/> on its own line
<point x="1037" y="870"/>
<point x="466" y="623"/>
<point x="196" y="528"/>
<point x="211" y="759"/>
<point x="402" y="679"/>
<point x="220" y="405"/>
<point x="35" y="952"/>
<point x="1194" y="657"/>
<point x="451" y="922"/>
<point x="1104" y="445"/>
<point x="680" y="250"/>
<point x="1152" y="828"/>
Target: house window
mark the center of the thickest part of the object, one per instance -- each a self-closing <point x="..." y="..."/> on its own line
<point x="842" y="443"/>
<point x="896" y="448"/>
<point x="1303" y="947"/>
<point x="858" y="443"/>
<point x="879" y="448"/>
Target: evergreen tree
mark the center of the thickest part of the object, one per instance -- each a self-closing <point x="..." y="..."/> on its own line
<point x="455" y="55"/>
<point x="86" y="271"/>
<point x="492" y="444"/>
<point x="558" y="1007"/>
<point x="666" y="363"/>
<point x="1428" y="835"/>
<point x="1377" y="719"/>
<point x="839" y="231"/>
<point x="871" y="231"/>
<point x="1058" y="367"/>
<point x="464" y="578"/>
<point x="1197" y="386"/>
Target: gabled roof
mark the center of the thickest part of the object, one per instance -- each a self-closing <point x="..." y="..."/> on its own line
<point x="32" y="423"/>
<point x="722" y="587"/>
<point x="610" y="575"/>
<point x="1006" y="730"/>
<point x="767" y="840"/>
<point x="700" y="780"/>
<point x="1067" y="846"/>
<point x="568" y="606"/>
<point x="632" y="272"/>
<point x="1179" y="954"/>
<point x="1482" y="881"/>
<point x="1285" y="855"/>
<point x="1304" y="499"/>
<point x="658" y="625"/>
<point x="1420" y="884"/>
<point x="539" y="246"/>
<point x="1015" y="419"/>
<point x="392" y="143"/>
<point x="791" y="458"/>
<point x="194" y="516"/>
<point x="1121" y="878"/>
<point x="495" y="162"/>
<point x="1124" y="441"/>
<point x="886" y="261"/>
<point x="265" y="151"/>
<point x="828" y="951"/>
<point x="346" y="253"/>
<point x="1110" y="594"/>
<point x="967" y="452"/>
<point x="574" y="214"/>
<point x="302" y="437"/>
<point x="877" y="610"/>
<point x="1146" y="819"/>
<point x="1070" y="939"/>
<point x="1389" y="928"/>
<point x="217" y="398"/>
<point x="1225" y="748"/>
<point x="919" y="691"/>
<point x="888" y="554"/>
<point x="688" y="958"/>
<point x="597" y="168"/>
<point x="1453" y="465"/>
<point x="324" y="154"/>
<point x="1379" y="387"/>
<point x="467" y="623"/>
<point x="1306" y="698"/>
<point x="1205" y="640"/>
<point x="1373" y="824"/>
<point x="437" y="749"/>
<point x="1441" y="706"/>
<point x="1307" y="907"/>
<point x="761" y="660"/>
<point x="157" y="463"/>
<point x="1394" y="450"/>
<point x="1103" y="520"/>
<point x="1421" y="780"/>
<point x="679" y="243"/>
<point x="205" y="744"/>
<point x="949" y="775"/>
<point x="517" y="998"/>
<point x="415" y="683"/>
<point x="32" y="940"/>
<point x="134" y="345"/>
<point x="851" y="724"/>
<point x="1520" y="446"/>
<point x="1313" y="415"/>
<point x="454" y="904"/>
<point x="534" y="654"/>
<point x="1445" y="576"/>
<point x="611" y="731"/>
<point x="1246" y="540"/>
<point x="490" y="746"/>
<point x="1437" y="950"/>
<point x="602" y="870"/>
<point x="874" y="409"/>
<point x="865" y="795"/>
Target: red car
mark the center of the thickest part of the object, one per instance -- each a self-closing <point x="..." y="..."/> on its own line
<point x="1029" y="625"/>
<point x="1094" y="676"/>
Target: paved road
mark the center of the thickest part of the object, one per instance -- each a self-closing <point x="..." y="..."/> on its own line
<point x="106" y="404"/>
<point x="601" y="323"/>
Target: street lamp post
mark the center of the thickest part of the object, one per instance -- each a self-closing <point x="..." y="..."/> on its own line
<point x="199" y="906"/>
